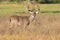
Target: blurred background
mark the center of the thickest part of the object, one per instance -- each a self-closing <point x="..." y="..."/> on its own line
<point x="46" y="25"/>
<point x="39" y="1"/>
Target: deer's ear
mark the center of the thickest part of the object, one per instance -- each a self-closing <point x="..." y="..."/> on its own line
<point x="37" y="12"/>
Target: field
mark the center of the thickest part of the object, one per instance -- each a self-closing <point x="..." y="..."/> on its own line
<point x="46" y="25"/>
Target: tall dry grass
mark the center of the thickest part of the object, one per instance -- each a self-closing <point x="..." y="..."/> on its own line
<point x="44" y="27"/>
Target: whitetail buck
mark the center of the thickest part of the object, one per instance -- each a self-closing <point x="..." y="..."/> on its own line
<point x="23" y="20"/>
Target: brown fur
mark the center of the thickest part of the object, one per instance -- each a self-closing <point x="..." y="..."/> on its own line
<point x="22" y="20"/>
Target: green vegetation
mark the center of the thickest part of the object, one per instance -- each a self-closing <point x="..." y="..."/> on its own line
<point x="18" y="8"/>
<point x="10" y="8"/>
<point x="50" y="8"/>
<point x="39" y="1"/>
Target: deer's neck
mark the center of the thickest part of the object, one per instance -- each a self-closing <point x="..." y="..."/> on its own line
<point x="31" y="18"/>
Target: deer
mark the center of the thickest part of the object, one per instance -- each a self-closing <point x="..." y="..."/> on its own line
<point x="23" y="20"/>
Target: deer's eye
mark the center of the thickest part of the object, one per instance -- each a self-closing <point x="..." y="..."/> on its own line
<point x="28" y="10"/>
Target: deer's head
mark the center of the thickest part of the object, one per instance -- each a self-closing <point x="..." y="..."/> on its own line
<point x="33" y="11"/>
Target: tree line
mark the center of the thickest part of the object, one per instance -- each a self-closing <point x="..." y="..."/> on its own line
<point x="39" y="1"/>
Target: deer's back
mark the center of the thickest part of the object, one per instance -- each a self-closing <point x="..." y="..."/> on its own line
<point x="20" y="19"/>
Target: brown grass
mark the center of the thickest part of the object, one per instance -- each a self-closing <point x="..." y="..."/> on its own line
<point x="44" y="27"/>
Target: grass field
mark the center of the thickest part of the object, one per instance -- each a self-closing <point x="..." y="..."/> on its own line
<point x="46" y="26"/>
<point x="17" y="8"/>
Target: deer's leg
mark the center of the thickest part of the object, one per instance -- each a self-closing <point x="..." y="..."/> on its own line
<point x="19" y="27"/>
<point x="13" y="26"/>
